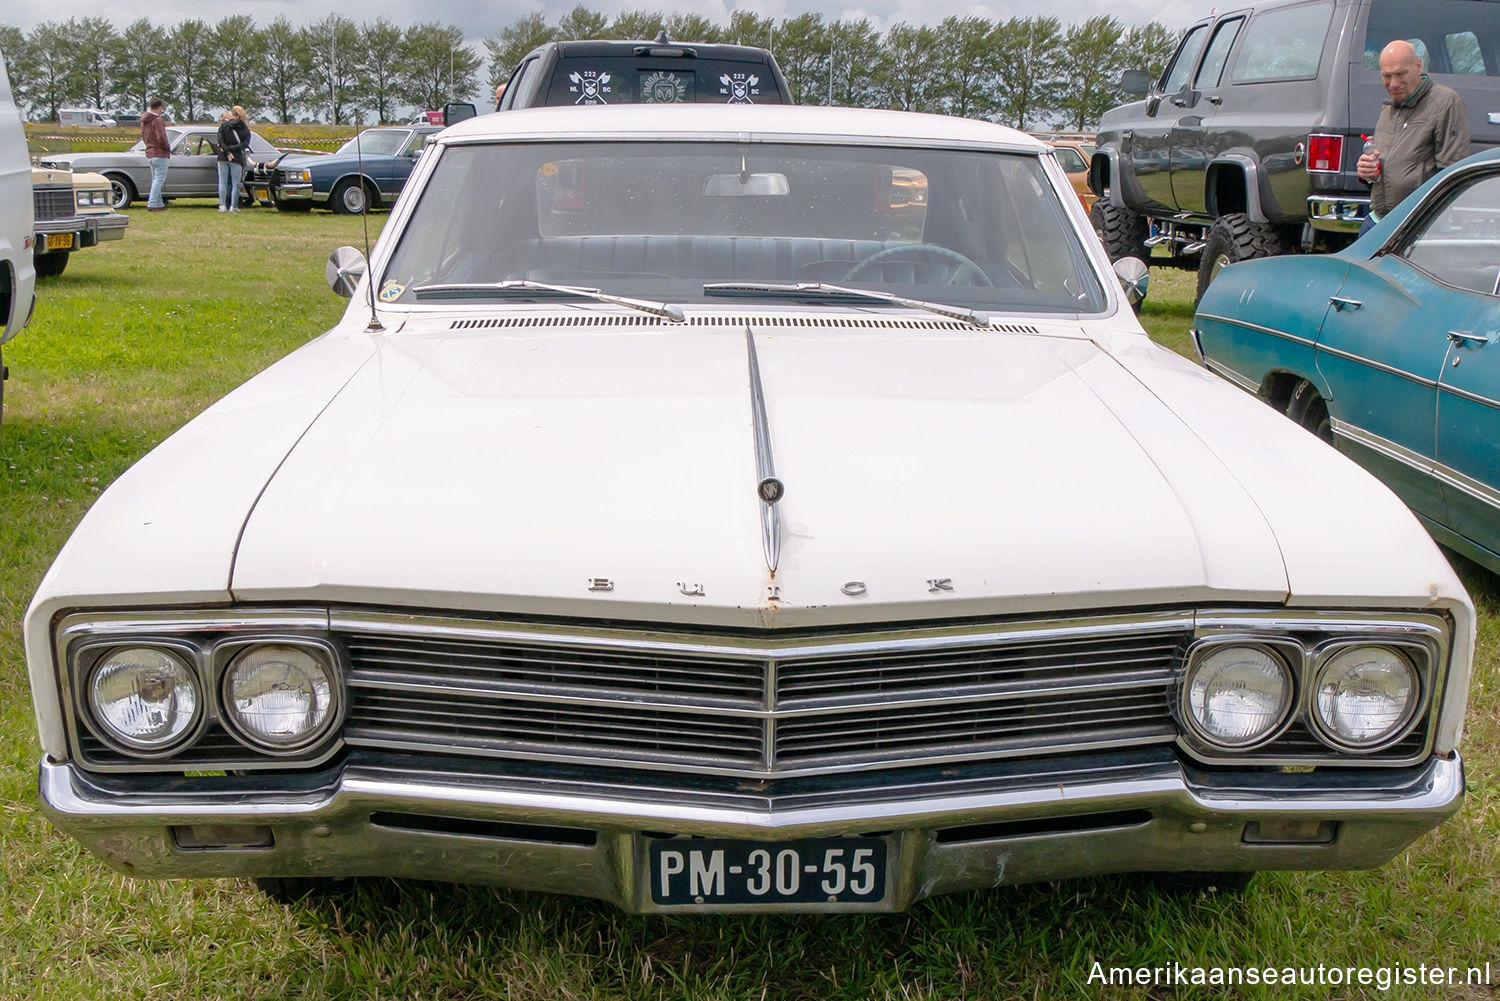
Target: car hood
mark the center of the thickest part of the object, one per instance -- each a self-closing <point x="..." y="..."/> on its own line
<point x="313" y="159"/>
<point x="927" y="472"/>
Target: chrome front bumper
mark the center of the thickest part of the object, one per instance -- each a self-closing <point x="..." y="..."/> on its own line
<point x="88" y="231"/>
<point x="1142" y="814"/>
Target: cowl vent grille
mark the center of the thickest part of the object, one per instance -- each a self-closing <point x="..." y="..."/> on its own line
<point x="738" y="322"/>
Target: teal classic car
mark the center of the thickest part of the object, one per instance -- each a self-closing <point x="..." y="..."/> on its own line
<point x="1388" y="349"/>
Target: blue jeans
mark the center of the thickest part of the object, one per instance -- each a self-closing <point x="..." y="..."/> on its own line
<point x="230" y="176"/>
<point x="158" y="178"/>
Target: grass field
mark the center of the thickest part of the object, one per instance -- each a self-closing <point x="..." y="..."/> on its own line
<point x="138" y="336"/>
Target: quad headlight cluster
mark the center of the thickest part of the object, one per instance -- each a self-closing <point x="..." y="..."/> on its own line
<point x="93" y="197"/>
<point x="152" y="700"/>
<point x="1356" y="697"/>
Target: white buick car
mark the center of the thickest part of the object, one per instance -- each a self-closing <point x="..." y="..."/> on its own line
<point x="736" y="509"/>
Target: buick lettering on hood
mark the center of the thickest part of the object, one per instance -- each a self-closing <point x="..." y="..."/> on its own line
<point x="742" y="509"/>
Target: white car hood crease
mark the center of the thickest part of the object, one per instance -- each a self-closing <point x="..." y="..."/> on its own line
<point x="943" y="473"/>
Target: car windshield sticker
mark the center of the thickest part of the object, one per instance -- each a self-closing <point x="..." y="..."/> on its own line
<point x="739" y="88"/>
<point x="663" y="87"/>
<point x="590" y="87"/>
<point x="391" y="291"/>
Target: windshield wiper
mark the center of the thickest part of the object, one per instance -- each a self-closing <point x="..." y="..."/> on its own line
<point x="484" y="289"/>
<point x="800" y="289"/>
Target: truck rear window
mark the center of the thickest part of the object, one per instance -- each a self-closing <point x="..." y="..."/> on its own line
<point x="623" y="80"/>
<point x="1450" y="36"/>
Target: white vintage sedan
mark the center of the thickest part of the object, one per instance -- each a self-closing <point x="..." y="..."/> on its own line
<point x="736" y="509"/>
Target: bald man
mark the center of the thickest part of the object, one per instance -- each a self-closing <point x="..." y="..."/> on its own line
<point x="1423" y="128"/>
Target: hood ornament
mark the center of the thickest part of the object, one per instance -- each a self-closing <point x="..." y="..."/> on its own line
<point x="768" y="488"/>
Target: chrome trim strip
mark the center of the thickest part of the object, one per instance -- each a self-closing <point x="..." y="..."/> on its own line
<point x="1236" y="322"/>
<point x="1224" y="371"/>
<point x="1378" y="366"/>
<point x="765" y="467"/>
<point x="1464" y="394"/>
<point x="1444" y="474"/>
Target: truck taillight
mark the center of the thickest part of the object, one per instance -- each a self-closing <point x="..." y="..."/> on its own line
<point x="1325" y="154"/>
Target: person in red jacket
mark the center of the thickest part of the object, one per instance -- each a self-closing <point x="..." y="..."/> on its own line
<point x="154" y="135"/>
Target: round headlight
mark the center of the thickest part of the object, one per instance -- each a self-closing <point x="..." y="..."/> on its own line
<point x="144" y="697"/>
<point x="279" y="697"/>
<point x="1366" y="695"/>
<point x="1237" y="696"/>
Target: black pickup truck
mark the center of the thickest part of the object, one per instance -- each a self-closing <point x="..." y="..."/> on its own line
<point x="1246" y="145"/>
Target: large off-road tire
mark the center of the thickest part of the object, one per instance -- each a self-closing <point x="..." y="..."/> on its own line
<point x="51" y="265"/>
<point x="349" y="197"/>
<point x="1235" y="238"/>
<point x="124" y="191"/>
<point x="1310" y="410"/>
<point x="1122" y="233"/>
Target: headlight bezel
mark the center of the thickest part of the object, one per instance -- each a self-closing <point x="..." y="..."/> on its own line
<point x="207" y="638"/>
<point x="1311" y="637"/>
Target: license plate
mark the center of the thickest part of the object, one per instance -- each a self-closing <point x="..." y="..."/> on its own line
<point x="815" y="870"/>
<point x="263" y="194"/>
<point x="59" y="241"/>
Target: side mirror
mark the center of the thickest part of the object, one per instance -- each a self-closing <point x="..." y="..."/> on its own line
<point x="454" y="113"/>
<point x="1136" y="83"/>
<point x="346" y="266"/>
<point x="1134" y="277"/>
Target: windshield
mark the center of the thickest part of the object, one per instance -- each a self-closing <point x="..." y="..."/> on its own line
<point x="660" y="220"/>
<point x="376" y="142"/>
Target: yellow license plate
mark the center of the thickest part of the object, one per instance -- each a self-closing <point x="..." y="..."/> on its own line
<point x="59" y="241"/>
<point x="263" y="194"/>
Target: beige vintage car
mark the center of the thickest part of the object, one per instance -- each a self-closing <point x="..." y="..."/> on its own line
<point x="73" y="211"/>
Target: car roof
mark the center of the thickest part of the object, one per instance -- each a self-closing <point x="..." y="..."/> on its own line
<point x="751" y="122"/>
<point x="589" y="47"/>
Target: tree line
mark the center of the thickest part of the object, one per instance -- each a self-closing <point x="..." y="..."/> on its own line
<point x="1029" y="72"/>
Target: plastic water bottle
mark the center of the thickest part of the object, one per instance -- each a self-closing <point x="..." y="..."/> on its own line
<point x="1370" y="150"/>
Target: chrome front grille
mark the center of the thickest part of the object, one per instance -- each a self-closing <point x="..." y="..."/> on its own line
<point x="760" y="706"/>
<point x="53" y="203"/>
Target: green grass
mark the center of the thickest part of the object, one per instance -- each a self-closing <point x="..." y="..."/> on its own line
<point x="138" y="336"/>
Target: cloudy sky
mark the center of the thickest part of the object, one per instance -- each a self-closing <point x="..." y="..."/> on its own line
<point x="483" y="18"/>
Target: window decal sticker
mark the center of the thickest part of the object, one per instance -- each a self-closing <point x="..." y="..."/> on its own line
<point x="590" y="87"/>
<point x="663" y="88"/>
<point x="739" y="88"/>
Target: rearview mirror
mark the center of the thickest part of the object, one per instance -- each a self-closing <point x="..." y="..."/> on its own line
<point x="1134" y="278"/>
<point x="1136" y="83"/>
<point x="457" y="112"/>
<point x="746" y="186"/>
<point x="346" y="266"/>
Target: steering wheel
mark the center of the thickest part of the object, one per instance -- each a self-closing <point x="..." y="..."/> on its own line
<point x="965" y="271"/>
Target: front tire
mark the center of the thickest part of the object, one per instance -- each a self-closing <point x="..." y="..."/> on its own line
<point x="51" y="265"/>
<point x="1234" y="238"/>
<point x="1122" y="233"/>
<point x="350" y="197"/>
<point x="124" y="191"/>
